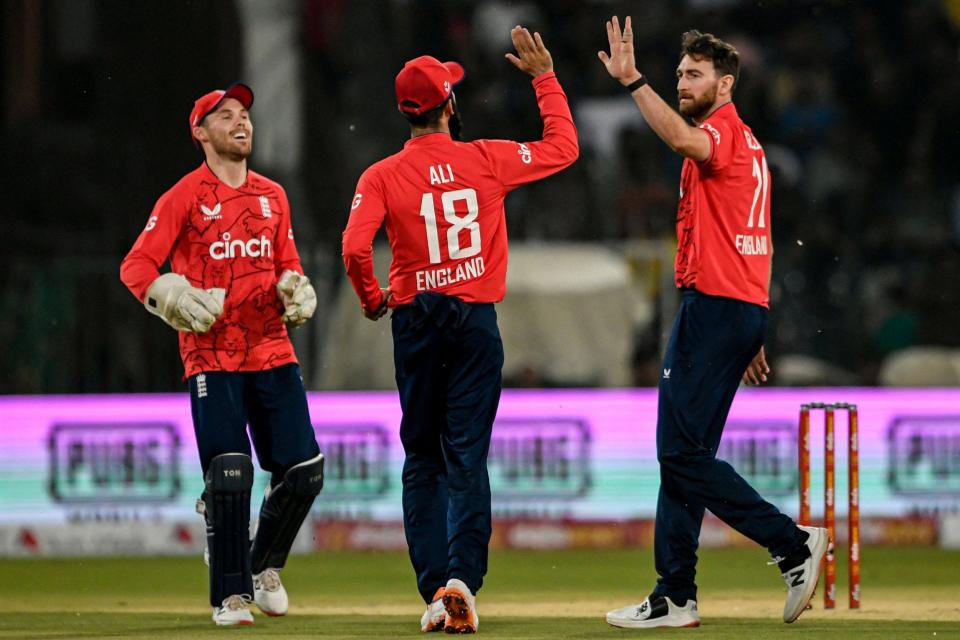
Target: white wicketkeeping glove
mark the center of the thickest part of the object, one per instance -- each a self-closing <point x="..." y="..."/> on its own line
<point x="298" y="297"/>
<point x="183" y="307"/>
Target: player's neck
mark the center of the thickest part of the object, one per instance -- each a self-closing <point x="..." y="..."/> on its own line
<point x="423" y="131"/>
<point x="230" y="172"/>
<point x="716" y="105"/>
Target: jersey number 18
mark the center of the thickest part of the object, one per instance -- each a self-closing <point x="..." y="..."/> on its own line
<point x="457" y="224"/>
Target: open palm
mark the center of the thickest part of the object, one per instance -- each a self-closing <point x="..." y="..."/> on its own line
<point x="620" y="63"/>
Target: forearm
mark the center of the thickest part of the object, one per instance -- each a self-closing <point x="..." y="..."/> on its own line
<point x="137" y="272"/>
<point x="360" y="271"/>
<point x="288" y="263"/>
<point x="559" y="130"/>
<point x="665" y="122"/>
<point x="357" y="253"/>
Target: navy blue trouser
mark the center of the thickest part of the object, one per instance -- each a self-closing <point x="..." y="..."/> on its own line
<point x="273" y="402"/>
<point x="448" y="356"/>
<point x="713" y="341"/>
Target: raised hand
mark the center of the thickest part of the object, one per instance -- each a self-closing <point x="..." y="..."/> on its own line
<point x="534" y="57"/>
<point x="620" y="63"/>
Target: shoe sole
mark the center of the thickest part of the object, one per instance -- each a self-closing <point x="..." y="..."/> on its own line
<point x="436" y="626"/>
<point x="812" y="584"/>
<point x="269" y="614"/>
<point x="458" y="613"/>
<point x="234" y="624"/>
<point x="643" y="625"/>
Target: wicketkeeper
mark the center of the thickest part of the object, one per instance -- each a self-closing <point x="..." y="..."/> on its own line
<point x="234" y="287"/>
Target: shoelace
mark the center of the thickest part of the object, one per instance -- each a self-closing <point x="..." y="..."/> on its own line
<point x="776" y="560"/>
<point x="236" y="602"/>
<point x="269" y="580"/>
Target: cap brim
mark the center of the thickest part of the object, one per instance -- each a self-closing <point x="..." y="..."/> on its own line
<point x="456" y="70"/>
<point x="239" y="92"/>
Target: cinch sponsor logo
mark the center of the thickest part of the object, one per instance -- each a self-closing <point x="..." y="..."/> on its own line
<point x="924" y="456"/>
<point x="356" y="458"/>
<point x="114" y="463"/>
<point x="709" y="128"/>
<point x="764" y="453"/>
<point x="228" y="249"/>
<point x="526" y="155"/>
<point x="539" y="459"/>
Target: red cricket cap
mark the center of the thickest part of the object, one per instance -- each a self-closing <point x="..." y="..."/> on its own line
<point x="207" y="104"/>
<point x="425" y="83"/>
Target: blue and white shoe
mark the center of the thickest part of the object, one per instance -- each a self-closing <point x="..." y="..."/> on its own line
<point x="655" y="611"/>
<point x="801" y="572"/>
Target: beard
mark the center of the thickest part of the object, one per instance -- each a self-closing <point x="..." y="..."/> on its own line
<point x="455" y="124"/>
<point x="700" y="106"/>
<point x="226" y="147"/>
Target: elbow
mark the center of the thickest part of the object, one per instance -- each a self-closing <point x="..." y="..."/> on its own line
<point x="573" y="149"/>
<point x="352" y="252"/>
<point x="682" y="147"/>
<point x="568" y="149"/>
<point x="127" y="275"/>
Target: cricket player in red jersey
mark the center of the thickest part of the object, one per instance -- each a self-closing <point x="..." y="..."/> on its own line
<point x="723" y="268"/>
<point x="442" y="202"/>
<point x="234" y="287"/>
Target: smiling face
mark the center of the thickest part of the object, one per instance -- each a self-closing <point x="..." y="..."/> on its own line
<point x="700" y="88"/>
<point x="227" y="131"/>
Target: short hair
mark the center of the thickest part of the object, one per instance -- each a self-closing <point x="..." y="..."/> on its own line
<point x="427" y="118"/>
<point x="701" y="46"/>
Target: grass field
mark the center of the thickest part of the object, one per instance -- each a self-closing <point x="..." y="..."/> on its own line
<point x="907" y="593"/>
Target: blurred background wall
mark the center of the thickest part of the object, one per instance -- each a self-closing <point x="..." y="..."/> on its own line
<point x="853" y="101"/>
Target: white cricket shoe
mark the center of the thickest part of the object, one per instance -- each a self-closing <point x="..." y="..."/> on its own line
<point x="655" y="611"/>
<point x="435" y="617"/>
<point x="269" y="594"/>
<point x="461" y="607"/>
<point x="801" y="572"/>
<point x="233" y="611"/>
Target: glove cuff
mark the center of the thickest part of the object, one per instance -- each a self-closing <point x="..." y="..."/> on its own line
<point x="162" y="295"/>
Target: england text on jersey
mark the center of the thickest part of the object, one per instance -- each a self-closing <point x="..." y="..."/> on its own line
<point x="442" y="204"/>
<point x="723" y="217"/>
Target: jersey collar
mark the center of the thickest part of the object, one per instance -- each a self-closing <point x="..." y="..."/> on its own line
<point x="208" y="172"/>
<point x="726" y="111"/>
<point x="428" y="139"/>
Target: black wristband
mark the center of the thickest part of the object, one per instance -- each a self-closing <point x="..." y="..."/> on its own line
<point x="636" y="84"/>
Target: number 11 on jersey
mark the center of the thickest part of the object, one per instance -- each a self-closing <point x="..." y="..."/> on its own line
<point x="457" y="222"/>
<point x="762" y="175"/>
